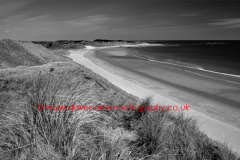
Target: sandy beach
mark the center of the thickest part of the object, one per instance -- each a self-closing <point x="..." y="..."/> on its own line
<point x="217" y="115"/>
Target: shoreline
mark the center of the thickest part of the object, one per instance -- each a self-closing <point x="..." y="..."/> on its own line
<point x="176" y="84"/>
<point x="213" y="127"/>
<point x="125" y="45"/>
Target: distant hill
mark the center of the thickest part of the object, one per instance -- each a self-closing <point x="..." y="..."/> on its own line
<point x="17" y="53"/>
<point x="61" y="44"/>
<point x="80" y="44"/>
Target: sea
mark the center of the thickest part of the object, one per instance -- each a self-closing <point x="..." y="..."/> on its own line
<point x="216" y="59"/>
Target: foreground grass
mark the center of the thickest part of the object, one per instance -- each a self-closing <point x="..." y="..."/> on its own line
<point x="26" y="133"/>
<point x="30" y="134"/>
<point x="163" y="135"/>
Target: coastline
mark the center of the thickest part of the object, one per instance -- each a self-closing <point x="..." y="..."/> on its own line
<point x="125" y="45"/>
<point x="213" y="97"/>
<point x="140" y="87"/>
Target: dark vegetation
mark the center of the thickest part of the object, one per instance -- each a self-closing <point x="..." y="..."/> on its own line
<point x="61" y="44"/>
<point x="70" y="44"/>
<point x="26" y="133"/>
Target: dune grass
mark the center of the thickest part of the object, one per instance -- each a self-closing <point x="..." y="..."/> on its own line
<point x="31" y="134"/>
<point x="163" y="135"/>
<point x="27" y="133"/>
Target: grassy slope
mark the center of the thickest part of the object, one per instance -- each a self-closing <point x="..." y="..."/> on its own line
<point x="15" y="53"/>
<point x="66" y="84"/>
<point x="26" y="133"/>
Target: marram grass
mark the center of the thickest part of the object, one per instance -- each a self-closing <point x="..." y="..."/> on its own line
<point x="26" y="133"/>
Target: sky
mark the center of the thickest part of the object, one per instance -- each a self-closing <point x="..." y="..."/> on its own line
<point x="123" y="19"/>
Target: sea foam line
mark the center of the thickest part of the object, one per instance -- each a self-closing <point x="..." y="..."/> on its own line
<point x="198" y="68"/>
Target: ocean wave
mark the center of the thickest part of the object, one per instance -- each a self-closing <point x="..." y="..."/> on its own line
<point x="184" y="64"/>
<point x="226" y="74"/>
<point x="188" y="65"/>
<point x="178" y="63"/>
<point x="144" y="45"/>
<point x="173" y="45"/>
<point x="210" y="77"/>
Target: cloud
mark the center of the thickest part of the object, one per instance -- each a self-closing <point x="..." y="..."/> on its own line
<point x="4" y="25"/>
<point x="151" y="25"/>
<point x="227" y="23"/>
<point x="117" y="29"/>
<point x="175" y="27"/>
<point x="88" y="21"/>
<point x="36" y="18"/>
<point x="8" y="6"/>
<point x="153" y="14"/>
<point x="144" y="26"/>
<point x="189" y="15"/>
<point x="7" y="32"/>
<point x="12" y="18"/>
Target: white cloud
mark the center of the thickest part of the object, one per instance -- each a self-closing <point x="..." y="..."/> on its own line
<point x="189" y="15"/>
<point x="152" y="25"/>
<point x="144" y="26"/>
<point x="227" y="23"/>
<point x="36" y="18"/>
<point x="12" y="18"/>
<point x="4" y="25"/>
<point x="117" y="29"/>
<point x="88" y="21"/>
<point x="176" y="27"/>
<point x="8" y="6"/>
<point x="7" y="32"/>
<point x="153" y="14"/>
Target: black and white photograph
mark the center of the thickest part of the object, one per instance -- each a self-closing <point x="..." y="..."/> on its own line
<point x="119" y="80"/>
